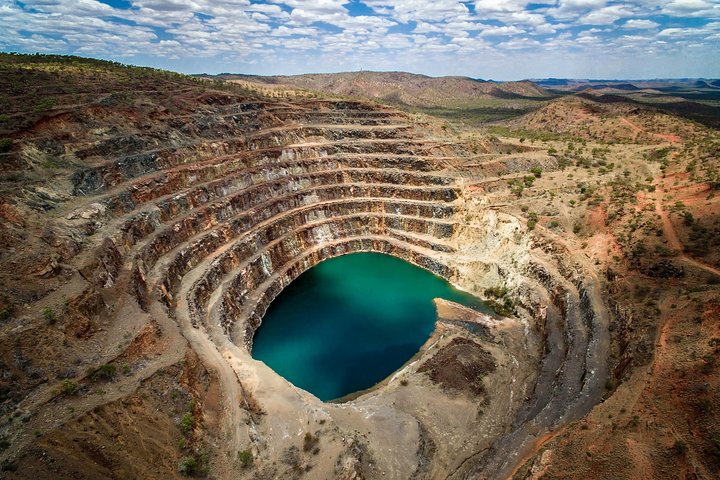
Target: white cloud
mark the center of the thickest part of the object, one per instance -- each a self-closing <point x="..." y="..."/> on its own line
<point x="488" y="6"/>
<point x="526" y="18"/>
<point x="427" y="27"/>
<point x="519" y="43"/>
<point x="284" y="31"/>
<point x="421" y="10"/>
<point x="546" y="28"/>
<point x="692" y="8"/>
<point x="640" y="24"/>
<point x="292" y="34"/>
<point x="568" y="9"/>
<point x="505" y="30"/>
<point x="682" y="32"/>
<point x="606" y="15"/>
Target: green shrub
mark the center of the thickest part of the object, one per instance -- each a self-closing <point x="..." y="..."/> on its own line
<point x="532" y="220"/>
<point x="310" y="443"/>
<point x="715" y="445"/>
<point x="8" y="466"/>
<point x="49" y="315"/>
<point x="516" y="187"/>
<point x="634" y="421"/>
<point x="187" y="466"/>
<point x="7" y="309"/>
<point x="709" y="364"/>
<point x="496" y="292"/>
<point x="245" y="458"/>
<point x="537" y="171"/>
<point x="688" y="218"/>
<point x="704" y="406"/>
<point x="680" y="447"/>
<point x="505" y="308"/>
<point x="187" y="422"/>
<point x="46" y="104"/>
<point x="499" y="301"/>
<point x="5" y="145"/>
<point x="69" y="387"/>
<point x="103" y="372"/>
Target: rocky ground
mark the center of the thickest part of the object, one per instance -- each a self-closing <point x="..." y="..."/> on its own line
<point x="148" y="220"/>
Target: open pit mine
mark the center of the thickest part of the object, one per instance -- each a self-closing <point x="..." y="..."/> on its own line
<point x="171" y="222"/>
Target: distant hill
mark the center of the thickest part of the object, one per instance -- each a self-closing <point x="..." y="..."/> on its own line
<point x="616" y="86"/>
<point x="404" y="88"/>
<point x="568" y="84"/>
<point x="595" y="116"/>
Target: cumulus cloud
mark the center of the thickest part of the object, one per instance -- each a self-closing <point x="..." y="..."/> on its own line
<point x="504" y="30"/>
<point x="438" y="37"/>
<point x="491" y="6"/>
<point x="420" y="10"/>
<point x="640" y="24"/>
<point x="607" y="15"/>
<point x="692" y="8"/>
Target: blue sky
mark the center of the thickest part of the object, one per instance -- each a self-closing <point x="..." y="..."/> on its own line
<point x="498" y="39"/>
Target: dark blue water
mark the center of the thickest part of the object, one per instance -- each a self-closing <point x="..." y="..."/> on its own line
<point x="349" y="322"/>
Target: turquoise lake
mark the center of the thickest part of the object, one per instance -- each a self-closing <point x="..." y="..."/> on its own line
<point x="350" y="321"/>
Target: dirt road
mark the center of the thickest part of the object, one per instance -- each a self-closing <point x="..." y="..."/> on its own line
<point x="671" y="234"/>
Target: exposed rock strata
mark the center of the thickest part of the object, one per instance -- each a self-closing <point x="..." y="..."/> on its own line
<point x="209" y="232"/>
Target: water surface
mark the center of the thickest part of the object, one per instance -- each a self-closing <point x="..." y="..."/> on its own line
<point x="350" y="321"/>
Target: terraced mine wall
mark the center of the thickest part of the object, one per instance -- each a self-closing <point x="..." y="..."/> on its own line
<point x="214" y="228"/>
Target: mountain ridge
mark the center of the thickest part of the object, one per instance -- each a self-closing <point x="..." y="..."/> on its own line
<point x="404" y="88"/>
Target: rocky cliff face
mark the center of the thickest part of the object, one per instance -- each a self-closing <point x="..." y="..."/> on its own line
<point x="194" y="218"/>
